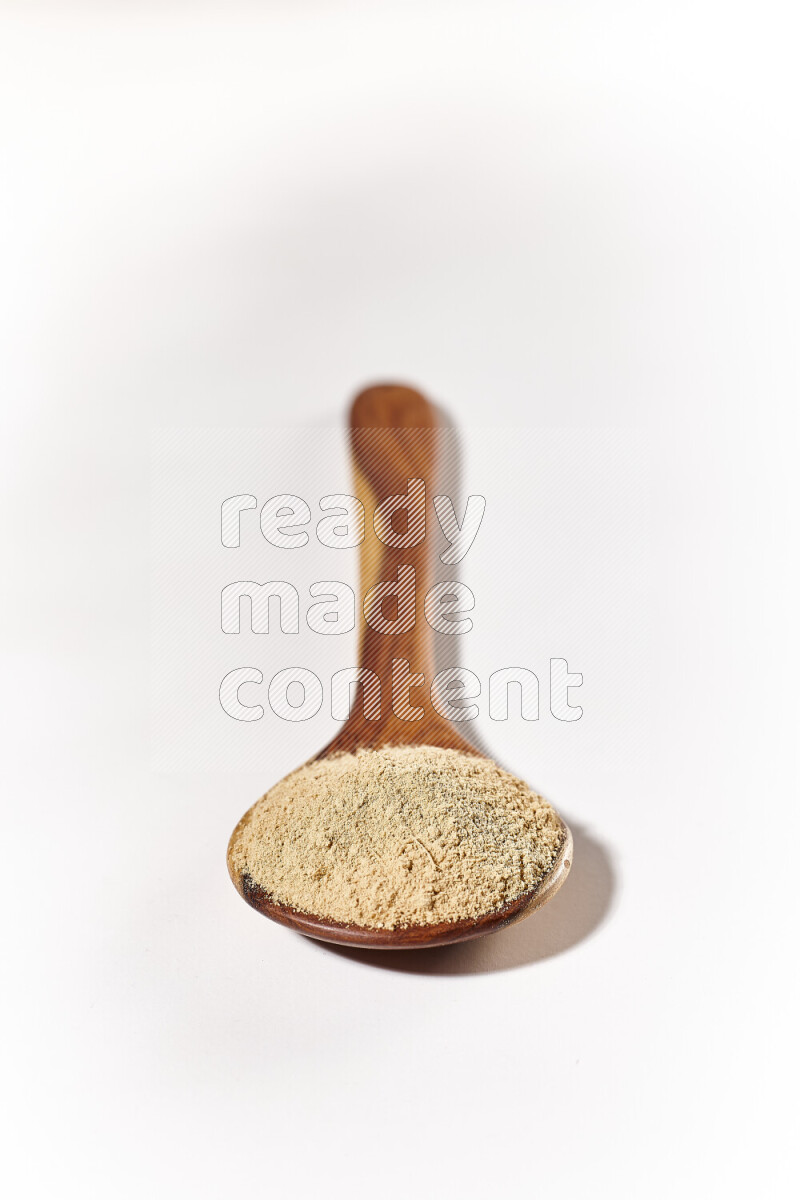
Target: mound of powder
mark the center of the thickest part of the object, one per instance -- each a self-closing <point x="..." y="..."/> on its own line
<point x="398" y="836"/>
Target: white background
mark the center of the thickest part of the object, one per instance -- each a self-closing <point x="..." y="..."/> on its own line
<point x="572" y="217"/>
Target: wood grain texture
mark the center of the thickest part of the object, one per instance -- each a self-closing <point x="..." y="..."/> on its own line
<point x="394" y="435"/>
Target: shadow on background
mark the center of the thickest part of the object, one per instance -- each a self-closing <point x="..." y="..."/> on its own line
<point x="572" y="916"/>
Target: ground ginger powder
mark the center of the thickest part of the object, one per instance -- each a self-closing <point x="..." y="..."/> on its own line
<point x="400" y="836"/>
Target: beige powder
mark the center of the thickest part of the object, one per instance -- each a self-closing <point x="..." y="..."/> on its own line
<point x="398" y="836"/>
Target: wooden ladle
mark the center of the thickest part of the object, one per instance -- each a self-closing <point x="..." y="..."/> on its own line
<point x="395" y="437"/>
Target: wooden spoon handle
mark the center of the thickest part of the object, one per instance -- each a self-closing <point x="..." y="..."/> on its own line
<point x="394" y="433"/>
